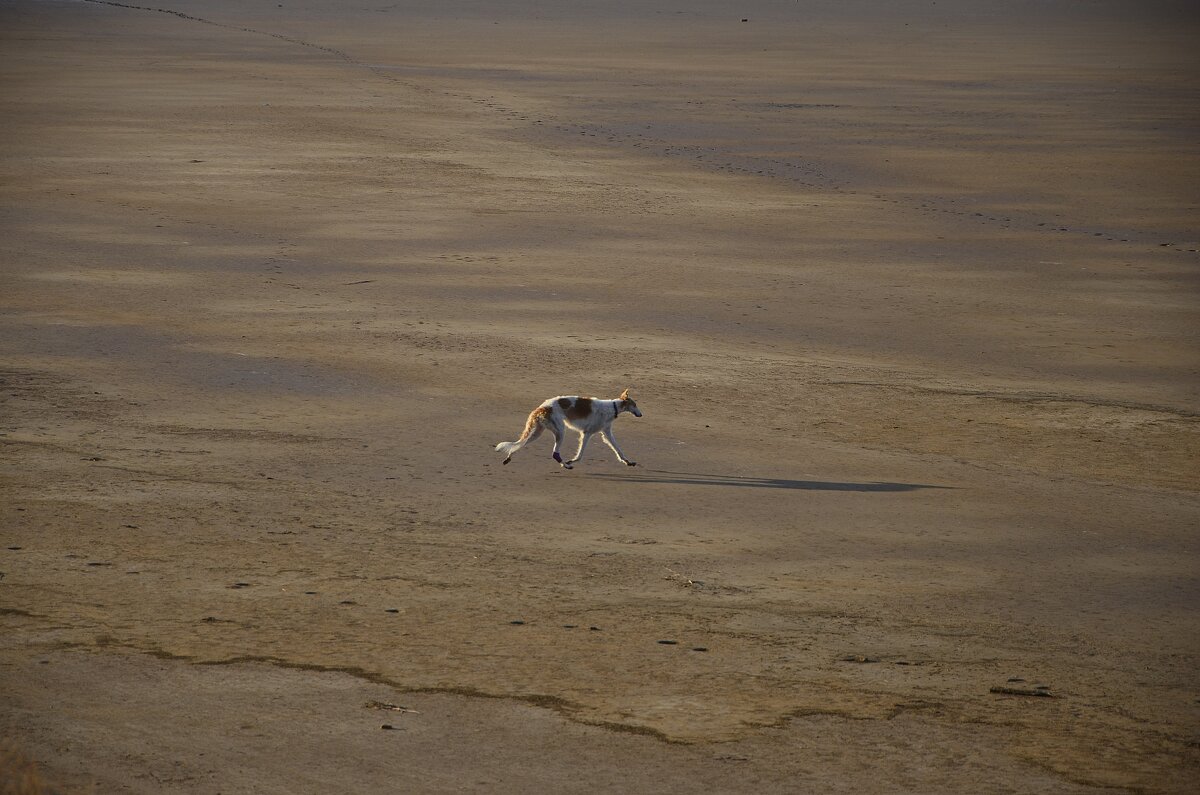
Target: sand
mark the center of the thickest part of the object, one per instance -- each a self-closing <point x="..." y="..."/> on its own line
<point x="906" y="292"/>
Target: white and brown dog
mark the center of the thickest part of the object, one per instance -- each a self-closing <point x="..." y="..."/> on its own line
<point x="586" y="415"/>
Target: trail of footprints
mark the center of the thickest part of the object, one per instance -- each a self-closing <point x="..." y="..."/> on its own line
<point x="516" y="622"/>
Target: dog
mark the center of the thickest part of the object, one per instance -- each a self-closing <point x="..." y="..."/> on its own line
<point x="586" y="415"/>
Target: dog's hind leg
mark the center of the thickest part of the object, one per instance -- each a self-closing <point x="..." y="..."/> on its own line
<point x="607" y="436"/>
<point x="558" y="440"/>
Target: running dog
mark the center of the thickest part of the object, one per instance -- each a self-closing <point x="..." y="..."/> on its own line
<point x="586" y="415"/>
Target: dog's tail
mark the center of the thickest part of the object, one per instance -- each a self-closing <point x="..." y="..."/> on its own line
<point x="508" y="448"/>
<point x="533" y="429"/>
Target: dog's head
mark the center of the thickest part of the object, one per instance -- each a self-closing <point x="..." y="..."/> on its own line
<point x="627" y="404"/>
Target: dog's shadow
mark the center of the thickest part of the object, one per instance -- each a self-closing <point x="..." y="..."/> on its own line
<point x="698" y="479"/>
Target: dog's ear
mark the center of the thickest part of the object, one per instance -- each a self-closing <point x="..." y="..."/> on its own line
<point x="625" y="394"/>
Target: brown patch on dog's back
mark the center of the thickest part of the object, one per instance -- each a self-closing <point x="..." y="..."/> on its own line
<point x="581" y="409"/>
<point x="564" y="403"/>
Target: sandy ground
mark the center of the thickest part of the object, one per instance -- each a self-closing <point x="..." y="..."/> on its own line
<point x="906" y="293"/>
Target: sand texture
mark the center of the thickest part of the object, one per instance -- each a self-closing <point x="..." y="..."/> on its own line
<point x="907" y="293"/>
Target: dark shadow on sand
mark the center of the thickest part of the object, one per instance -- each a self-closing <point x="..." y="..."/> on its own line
<point x="697" y="479"/>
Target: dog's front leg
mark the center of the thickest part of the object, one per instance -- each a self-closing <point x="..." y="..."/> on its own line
<point x="607" y="436"/>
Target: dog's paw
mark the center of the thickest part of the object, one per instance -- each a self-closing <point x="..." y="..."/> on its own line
<point x="507" y="460"/>
<point x="631" y="463"/>
<point x="557" y="457"/>
<point x="567" y="465"/>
